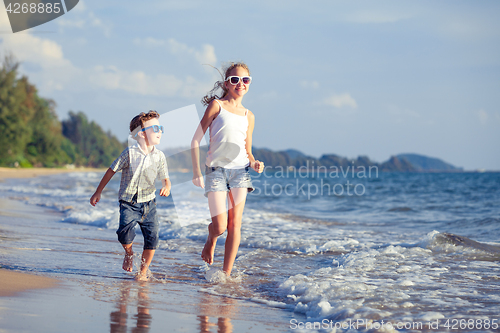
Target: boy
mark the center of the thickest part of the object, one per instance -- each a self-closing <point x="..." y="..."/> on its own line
<point x="141" y="164"/>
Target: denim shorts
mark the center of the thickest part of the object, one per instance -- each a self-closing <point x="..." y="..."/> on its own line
<point x="220" y="179"/>
<point x="143" y="213"/>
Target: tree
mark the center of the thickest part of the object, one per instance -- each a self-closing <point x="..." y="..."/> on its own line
<point x="31" y="134"/>
<point x="45" y="146"/>
<point x="15" y="111"/>
<point x="93" y="146"/>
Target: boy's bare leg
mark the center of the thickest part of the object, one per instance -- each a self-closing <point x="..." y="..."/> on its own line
<point x="237" y="198"/>
<point x="128" y="261"/>
<point x="217" y="205"/>
<point x="147" y="257"/>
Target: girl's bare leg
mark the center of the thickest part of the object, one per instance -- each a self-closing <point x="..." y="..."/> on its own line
<point x="237" y="199"/>
<point x="217" y="205"/>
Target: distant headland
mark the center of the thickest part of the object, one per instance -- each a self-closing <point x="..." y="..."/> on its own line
<point x="396" y="163"/>
<point x="180" y="159"/>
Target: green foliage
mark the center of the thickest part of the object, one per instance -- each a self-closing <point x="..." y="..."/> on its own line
<point x="33" y="136"/>
<point x="30" y="130"/>
<point x="93" y="146"/>
<point x="14" y="112"/>
<point x="45" y="146"/>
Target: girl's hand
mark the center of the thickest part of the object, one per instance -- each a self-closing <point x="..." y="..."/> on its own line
<point x="165" y="191"/>
<point x="258" y="166"/>
<point x="199" y="181"/>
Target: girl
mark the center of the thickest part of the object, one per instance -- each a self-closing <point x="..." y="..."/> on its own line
<point x="228" y="160"/>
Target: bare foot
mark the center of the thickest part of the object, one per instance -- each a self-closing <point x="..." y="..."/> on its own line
<point x="142" y="277"/>
<point x="208" y="251"/>
<point x="128" y="262"/>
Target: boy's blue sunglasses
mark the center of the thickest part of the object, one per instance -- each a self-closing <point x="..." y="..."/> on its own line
<point x="156" y="129"/>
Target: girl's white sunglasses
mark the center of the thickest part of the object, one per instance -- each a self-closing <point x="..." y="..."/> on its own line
<point x="234" y="80"/>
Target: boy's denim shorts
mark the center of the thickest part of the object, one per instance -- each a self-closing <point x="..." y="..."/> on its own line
<point x="218" y="179"/>
<point x="143" y="213"/>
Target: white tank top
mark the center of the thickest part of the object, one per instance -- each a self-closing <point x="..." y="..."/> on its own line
<point x="228" y="133"/>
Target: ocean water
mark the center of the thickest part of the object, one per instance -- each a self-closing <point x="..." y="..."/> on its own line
<point x="352" y="251"/>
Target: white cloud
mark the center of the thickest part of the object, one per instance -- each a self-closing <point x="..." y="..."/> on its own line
<point x="488" y="118"/>
<point x="483" y="116"/>
<point x="55" y="72"/>
<point x="174" y="5"/>
<point x="398" y="111"/>
<point x="377" y="17"/>
<point x="138" y="82"/>
<point x="204" y="55"/>
<point x="142" y="83"/>
<point x="470" y="27"/>
<point x="309" y="84"/>
<point x="340" y="101"/>
<point x="80" y="7"/>
<point x="77" y="23"/>
<point x="80" y="18"/>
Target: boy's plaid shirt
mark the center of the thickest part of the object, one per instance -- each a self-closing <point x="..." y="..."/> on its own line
<point x="139" y="172"/>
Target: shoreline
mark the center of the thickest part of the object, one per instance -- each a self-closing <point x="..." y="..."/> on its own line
<point x="64" y="259"/>
<point x="6" y="173"/>
<point x="15" y="282"/>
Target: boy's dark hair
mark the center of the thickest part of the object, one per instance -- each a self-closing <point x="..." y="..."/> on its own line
<point x="138" y="121"/>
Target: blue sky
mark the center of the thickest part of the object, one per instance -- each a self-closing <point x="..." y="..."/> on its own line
<point x="352" y="78"/>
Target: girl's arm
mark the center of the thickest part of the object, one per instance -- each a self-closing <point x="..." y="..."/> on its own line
<point x="258" y="166"/>
<point x="210" y="113"/>
<point x="104" y="181"/>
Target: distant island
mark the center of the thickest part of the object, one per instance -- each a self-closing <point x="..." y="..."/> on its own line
<point x="180" y="159"/>
<point x="428" y="164"/>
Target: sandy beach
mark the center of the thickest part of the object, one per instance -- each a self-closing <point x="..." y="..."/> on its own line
<point x="35" y="172"/>
<point x="59" y="277"/>
<point x="15" y="282"/>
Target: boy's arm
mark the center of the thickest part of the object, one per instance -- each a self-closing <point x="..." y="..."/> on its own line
<point x="166" y="185"/>
<point x="104" y="181"/>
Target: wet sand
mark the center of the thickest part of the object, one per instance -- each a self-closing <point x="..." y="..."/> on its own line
<point x="15" y="282"/>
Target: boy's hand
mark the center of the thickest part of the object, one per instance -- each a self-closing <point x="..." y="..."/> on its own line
<point x="95" y="198"/>
<point x="258" y="166"/>
<point x="165" y="191"/>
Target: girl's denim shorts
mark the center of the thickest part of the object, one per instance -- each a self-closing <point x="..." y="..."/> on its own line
<point x="218" y="179"/>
